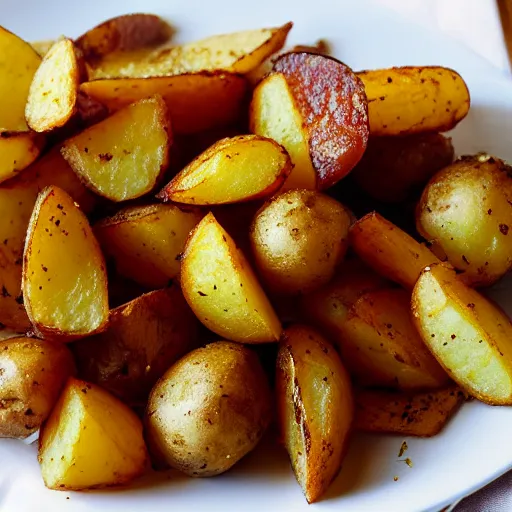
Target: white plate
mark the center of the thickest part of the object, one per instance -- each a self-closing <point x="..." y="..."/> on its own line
<point x="474" y="449"/>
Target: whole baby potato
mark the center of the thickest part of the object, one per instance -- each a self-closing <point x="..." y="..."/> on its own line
<point x="209" y="410"/>
<point x="298" y="239"/>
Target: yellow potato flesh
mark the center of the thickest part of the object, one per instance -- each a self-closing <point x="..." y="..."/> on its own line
<point x="221" y="288"/>
<point x="17" y="152"/>
<point x="274" y="114"/>
<point x="90" y="440"/>
<point x="64" y="277"/>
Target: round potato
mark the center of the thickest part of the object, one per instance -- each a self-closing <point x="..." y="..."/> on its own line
<point x="32" y="375"/>
<point x="209" y="410"/>
<point x="298" y="239"/>
<point x="466" y="212"/>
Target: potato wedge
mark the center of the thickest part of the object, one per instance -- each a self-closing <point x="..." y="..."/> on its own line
<point x="389" y="250"/>
<point x="196" y="101"/>
<point x="221" y="288"/>
<point x="407" y="100"/>
<point x="315" y="408"/>
<point x="146" y="242"/>
<point x="239" y="52"/>
<point x="18" y="62"/>
<point x="17" y="152"/>
<point x="91" y="440"/>
<point x="316" y="108"/>
<point x="421" y="415"/>
<point x="465" y="212"/>
<point x="234" y="169"/>
<point x="42" y="47"/>
<point x="33" y="374"/>
<point x="52" y="96"/>
<point x="64" y="278"/>
<point x="469" y="335"/>
<point x="124" y="156"/>
<point x="395" y="169"/>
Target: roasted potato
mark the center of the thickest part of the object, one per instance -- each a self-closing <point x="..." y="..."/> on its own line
<point x="407" y="100"/>
<point x="33" y="373"/>
<point x="209" y="410"/>
<point x="124" y="156"/>
<point x="465" y="211"/>
<point x="222" y="289"/>
<point x="90" y="440"/>
<point x="146" y="242"/>
<point x="42" y="47"/>
<point x="389" y="250"/>
<point x="241" y="168"/>
<point x="298" y="239"/>
<point x="196" y="101"/>
<point x="64" y="278"/>
<point x="316" y="108"/>
<point x="315" y="408"/>
<point x="239" y="52"/>
<point x="407" y="414"/>
<point x="395" y="169"/>
<point x="18" y="152"/>
<point x="143" y="339"/>
<point x="52" y="98"/>
<point x="469" y="335"/>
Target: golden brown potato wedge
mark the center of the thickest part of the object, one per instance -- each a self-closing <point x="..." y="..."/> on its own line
<point x="465" y="211"/>
<point x="143" y="339"/>
<point x="316" y="108"/>
<point x="42" y="47"/>
<point x="53" y="92"/>
<point x="18" y="62"/>
<point x="17" y="152"/>
<point x="395" y="169"/>
<point x="469" y="335"/>
<point x="64" y="278"/>
<point x="407" y="100"/>
<point x="196" y="101"/>
<point x="146" y="242"/>
<point x="222" y="289"/>
<point x="33" y="373"/>
<point x="315" y="408"/>
<point x="422" y="415"/>
<point x="389" y="250"/>
<point x="239" y="52"/>
<point x="236" y="169"/>
<point x="124" y="156"/>
<point x="91" y="440"/>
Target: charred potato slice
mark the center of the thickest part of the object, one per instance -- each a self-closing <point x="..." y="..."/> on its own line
<point x="33" y="374"/>
<point x="234" y="169"/>
<point x="298" y="239"/>
<point x="407" y="100"/>
<point x="209" y="410"/>
<point x="91" y="440"/>
<point x="64" y="279"/>
<point x="315" y="408"/>
<point x="469" y="335"/>
<point x="146" y="242"/>
<point x="465" y="211"/>
<point x="316" y="108"/>
<point x="143" y="339"/>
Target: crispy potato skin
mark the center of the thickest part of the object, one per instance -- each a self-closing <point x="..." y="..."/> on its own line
<point x="209" y="410"/>
<point x="407" y="100"/>
<point x="315" y="408"/>
<point x="33" y="374"/>
<point x="298" y="239"/>
<point x="143" y="339"/>
<point x="395" y="169"/>
<point x="466" y="211"/>
<point x="421" y="415"/>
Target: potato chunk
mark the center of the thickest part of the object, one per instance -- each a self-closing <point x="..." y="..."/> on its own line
<point x="221" y="288"/>
<point x="90" y="440"/>
<point x="315" y="408"/>
<point x="469" y="335"/>
<point x="18" y="151"/>
<point x="53" y="93"/>
<point x="64" y="278"/>
<point x="234" y="169"/>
